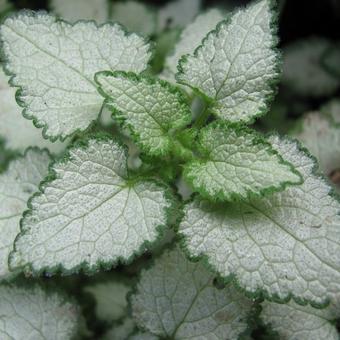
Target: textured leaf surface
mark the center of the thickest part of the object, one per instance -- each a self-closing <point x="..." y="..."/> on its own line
<point x="303" y="71"/>
<point x="151" y="108"/>
<point x="192" y="36"/>
<point x="110" y="297"/>
<point x="75" y="10"/>
<point x="294" y="322"/>
<point x="17" y="184"/>
<point x="236" y="163"/>
<point x="178" y="13"/>
<point x="54" y="64"/>
<point x="32" y="314"/>
<point x="322" y="139"/>
<point x="283" y="245"/>
<point x="89" y="212"/>
<point x="135" y="16"/>
<point x="177" y="299"/>
<point x="236" y="65"/>
<point x="13" y="122"/>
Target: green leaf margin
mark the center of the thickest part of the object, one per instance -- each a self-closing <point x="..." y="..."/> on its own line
<point x="83" y="266"/>
<point x="19" y="92"/>
<point x="119" y="115"/>
<point x="221" y="196"/>
<point x="261" y="294"/>
<point x="273" y="83"/>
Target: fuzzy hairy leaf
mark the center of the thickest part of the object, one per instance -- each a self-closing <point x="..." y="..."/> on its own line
<point x="54" y="63"/>
<point x="151" y="108"/>
<point x="177" y="299"/>
<point x="90" y="212"/>
<point x="17" y="184"/>
<point x="12" y="121"/>
<point x="237" y="64"/>
<point x="192" y="36"/>
<point x="110" y="297"/>
<point x="135" y="16"/>
<point x="237" y="163"/>
<point x="178" y="13"/>
<point x="285" y="245"/>
<point x="74" y="10"/>
<point x="33" y="314"/>
<point x="322" y="139"/>
<point x="295" y="322"/>
<point x="303" y="71"/>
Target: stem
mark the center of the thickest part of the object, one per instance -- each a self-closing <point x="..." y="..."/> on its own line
<point x="202" y="119"/>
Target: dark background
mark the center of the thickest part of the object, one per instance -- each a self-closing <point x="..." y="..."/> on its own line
<point x="299" y="18"/>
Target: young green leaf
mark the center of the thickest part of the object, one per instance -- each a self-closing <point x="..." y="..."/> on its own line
<point x="110" y="297"/>
<point x="12" y="121"/>
<point x="177" y="299"/>
<point x="191" y="37"/>
<point x="322" y="139"/>
<point x="33" y="314"/>
<point x="294" y="322"/>
<point x="90" y="212"/>
<point x="236" y="163"/>
<point x="303" y="71"/>
<point x="75" y="10"/>
<point x="152" y="109"/>
<point x="54" y="64"/>
<point x="135" y="16"/>
<point x="16" y="186"/>
<point x="178" y="13"/>
<point x="237" y="64"/>
<point x="281" y="246"/>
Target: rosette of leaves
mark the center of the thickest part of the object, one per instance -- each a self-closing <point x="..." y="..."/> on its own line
<point x="261" y="217"/>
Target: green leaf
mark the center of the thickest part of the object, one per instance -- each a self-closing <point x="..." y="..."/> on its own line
<point x="12" y="121"/>
<point x="191" y="37"/>
<point x="110" y="297"/>
<point x="135" y="16"/>
<point x="90" y="212"/>
<point x="294" y="322"/>
<point x="322" y="139"/>
<point x="54" y="63"/>
<point x="33" y="314"/>
<point x="178" y="13"/>
<point x="177" y="299"/>
<point x="16" y="186"/>
<point x="75" y="10"/>
<point x="151" y="108"/>
<point x="237" y="163"/>
<point x="285" y="245"/>
<point x="236" y="66"/>
<point x="303" y="72"/>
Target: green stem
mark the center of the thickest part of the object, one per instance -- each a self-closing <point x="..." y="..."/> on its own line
<point x="202" y="119"/>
